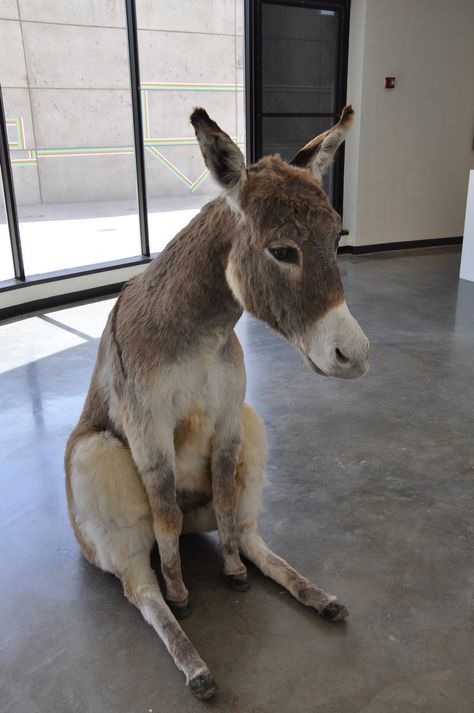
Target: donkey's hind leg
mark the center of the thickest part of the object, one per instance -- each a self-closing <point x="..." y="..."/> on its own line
<point x="255" y="549"/>
<point x="251" y="543"/>
<point x="111" y="517"/>
<point x="141" y="588"/>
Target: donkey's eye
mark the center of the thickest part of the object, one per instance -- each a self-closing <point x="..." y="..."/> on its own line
<point x="285" y="254"/>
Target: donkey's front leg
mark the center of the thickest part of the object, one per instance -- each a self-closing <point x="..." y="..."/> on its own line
<point x="160" y="485"/>
<point x="305" y="591"/>
<point x="225" y="498"/>
<point x="155" y="461"/>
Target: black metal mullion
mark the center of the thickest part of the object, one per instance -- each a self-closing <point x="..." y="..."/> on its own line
<point x="342" y="65"/>
<point x="249" y="65"/>
<point x="10" y="200"/>
<point x="258" y="81"/>
<point x="132" y="36"/>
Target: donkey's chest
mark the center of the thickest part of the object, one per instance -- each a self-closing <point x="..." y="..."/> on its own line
<point x="192" y="399"/>
<point x="184" y="389"/>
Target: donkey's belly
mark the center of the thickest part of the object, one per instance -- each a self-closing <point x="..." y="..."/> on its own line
<point x="192" y="441"/>
<point x="190" y="500"/>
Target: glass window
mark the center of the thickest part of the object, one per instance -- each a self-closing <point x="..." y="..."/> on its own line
<point x="67" y="100"/>
<point x="191" y="54"/>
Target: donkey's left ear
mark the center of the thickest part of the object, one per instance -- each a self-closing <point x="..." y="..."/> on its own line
<point x="222" y="157"/>
<point x="318" y="154"/>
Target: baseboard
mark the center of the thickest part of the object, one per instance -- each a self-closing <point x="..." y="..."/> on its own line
<point x="402" y="245"/>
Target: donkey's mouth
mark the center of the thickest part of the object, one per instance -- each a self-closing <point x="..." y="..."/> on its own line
<point x="312" y="365"/>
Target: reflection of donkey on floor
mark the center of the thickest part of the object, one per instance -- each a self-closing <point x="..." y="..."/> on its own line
<point x="165" y="443"/>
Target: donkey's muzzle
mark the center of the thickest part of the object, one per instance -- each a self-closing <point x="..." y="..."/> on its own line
<point x="337" y="346"/>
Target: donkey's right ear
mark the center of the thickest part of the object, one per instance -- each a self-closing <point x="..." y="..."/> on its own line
<point x="222" y="157"/>
<point x="319" y="153"/>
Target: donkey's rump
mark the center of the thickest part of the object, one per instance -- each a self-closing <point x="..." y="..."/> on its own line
<point x="108" y="504"/>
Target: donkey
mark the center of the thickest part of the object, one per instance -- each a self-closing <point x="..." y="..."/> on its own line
<point x="165" y="444"/>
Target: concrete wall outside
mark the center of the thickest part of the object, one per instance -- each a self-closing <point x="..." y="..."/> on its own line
<point x="65" y="78"/>
<point x="411" y="148"/>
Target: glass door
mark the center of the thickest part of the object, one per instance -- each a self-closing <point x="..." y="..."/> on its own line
<point x="299" y="62"/>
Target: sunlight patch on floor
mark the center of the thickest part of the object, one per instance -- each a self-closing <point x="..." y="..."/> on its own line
<point x="32" y="339"/>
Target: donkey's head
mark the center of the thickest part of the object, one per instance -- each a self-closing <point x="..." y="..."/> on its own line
<point x="283" y="268"/>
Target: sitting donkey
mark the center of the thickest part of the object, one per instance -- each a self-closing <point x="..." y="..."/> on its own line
<point x="165" y="444"/>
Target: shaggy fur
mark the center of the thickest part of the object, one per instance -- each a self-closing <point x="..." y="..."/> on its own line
<point x="165" y="443"/>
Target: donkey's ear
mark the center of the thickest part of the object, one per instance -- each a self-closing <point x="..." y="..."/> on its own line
<point x="318" y="154"/>
<point x="222" y="157"/>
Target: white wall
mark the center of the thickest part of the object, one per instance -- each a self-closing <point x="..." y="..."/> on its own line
<point x="410" y="151"/>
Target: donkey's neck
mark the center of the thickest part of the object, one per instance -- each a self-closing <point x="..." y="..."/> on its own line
<point x="188" y="299"/>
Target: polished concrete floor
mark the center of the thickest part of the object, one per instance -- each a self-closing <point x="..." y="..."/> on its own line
<point x="369" y="492"/>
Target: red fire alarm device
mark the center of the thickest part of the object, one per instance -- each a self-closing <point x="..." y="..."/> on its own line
<point x="389" y="82"/>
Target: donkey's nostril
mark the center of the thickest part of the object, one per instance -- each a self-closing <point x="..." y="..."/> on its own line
<point x="341" y="357"/>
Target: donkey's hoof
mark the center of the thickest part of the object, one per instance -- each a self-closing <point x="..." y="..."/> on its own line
<point x="180" y="611"/>
<point x="238" y="582"/>
<point x="334" y="612"/>
<point x="203" y="686"/>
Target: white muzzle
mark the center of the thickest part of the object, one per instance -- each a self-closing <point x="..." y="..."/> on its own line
<point x="337" y="346"/>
